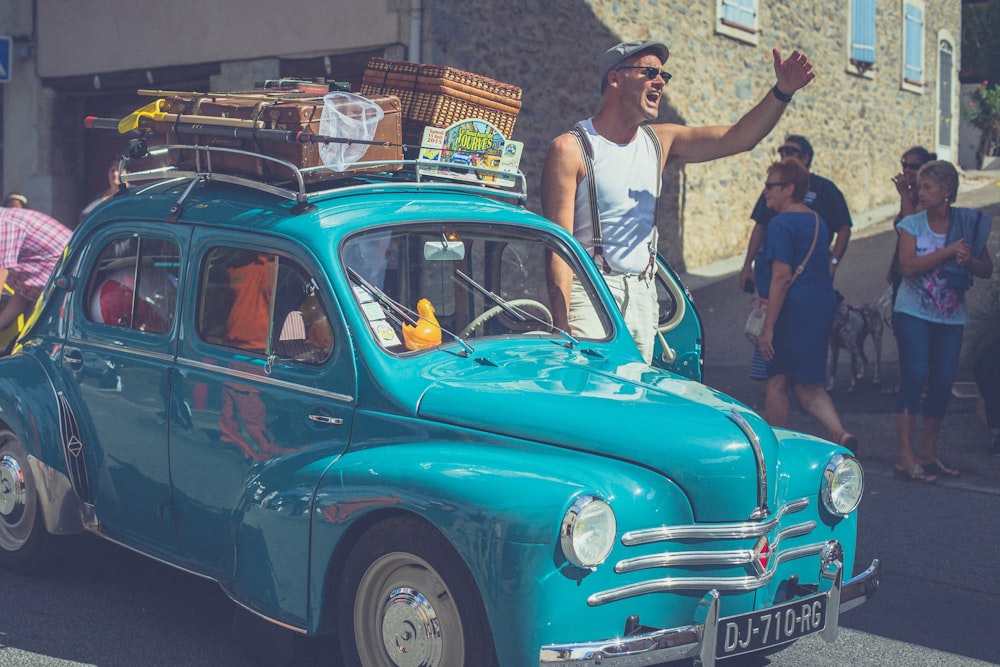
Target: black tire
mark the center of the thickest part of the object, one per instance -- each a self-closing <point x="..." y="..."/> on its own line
<point x="400" y="576"/>
<point x="22" y="532"/>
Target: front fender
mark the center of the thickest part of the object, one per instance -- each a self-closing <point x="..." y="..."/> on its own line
<point x="29" y="407"/>
<point x="499" y="503"/>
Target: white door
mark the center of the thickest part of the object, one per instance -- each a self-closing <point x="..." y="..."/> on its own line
<point x="945" y="101"/>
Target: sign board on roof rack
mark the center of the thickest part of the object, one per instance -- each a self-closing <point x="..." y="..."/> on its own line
<point x="5" y="53"/>
<point x="474" y="142"/>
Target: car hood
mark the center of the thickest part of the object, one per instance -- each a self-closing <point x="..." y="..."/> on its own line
<point x="713" y="447"/>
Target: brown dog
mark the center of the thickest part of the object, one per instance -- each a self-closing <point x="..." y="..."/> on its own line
<point x="851" y="327"/>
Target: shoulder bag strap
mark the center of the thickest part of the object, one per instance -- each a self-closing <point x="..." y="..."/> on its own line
<point x="802" y="267"/>
<point x="595" y="213"/>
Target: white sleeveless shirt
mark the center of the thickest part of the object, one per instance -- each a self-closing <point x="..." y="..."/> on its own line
<point x="628" y="181"/>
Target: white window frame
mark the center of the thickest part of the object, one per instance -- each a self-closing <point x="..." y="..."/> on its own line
<point x="857" y="38"/>
<point x="745" y="31"/>
<point x="910" y="84"/>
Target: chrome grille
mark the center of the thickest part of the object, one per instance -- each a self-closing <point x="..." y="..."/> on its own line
<point x="737" y="558"/>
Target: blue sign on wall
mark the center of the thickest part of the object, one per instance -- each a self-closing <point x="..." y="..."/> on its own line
<point x="5" y="44"/>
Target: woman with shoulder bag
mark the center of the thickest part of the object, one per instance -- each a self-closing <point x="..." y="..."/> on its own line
<point x="940" y="249"/>
<point x="792" y="271"/>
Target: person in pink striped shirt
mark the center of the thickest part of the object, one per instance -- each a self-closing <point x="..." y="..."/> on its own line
<point x="31" y="244"/>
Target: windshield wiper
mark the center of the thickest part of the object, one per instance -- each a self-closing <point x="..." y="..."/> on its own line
<point x="398" y="311"/>
<point x="498" y="300"/>
<point x="518" y="314"/>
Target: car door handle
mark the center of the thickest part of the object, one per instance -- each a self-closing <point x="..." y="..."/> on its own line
<point x="324" y="419"/>
<point x="73" y="358"/>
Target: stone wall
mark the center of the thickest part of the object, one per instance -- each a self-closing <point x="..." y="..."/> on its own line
<point x="859" y="125"/>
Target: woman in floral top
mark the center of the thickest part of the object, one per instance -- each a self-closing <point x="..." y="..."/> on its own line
<point x="940" y="249"/>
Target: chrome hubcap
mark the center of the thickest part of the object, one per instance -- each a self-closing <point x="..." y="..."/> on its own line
<point x="411" y="633"/>
<point x="13" y="491"/>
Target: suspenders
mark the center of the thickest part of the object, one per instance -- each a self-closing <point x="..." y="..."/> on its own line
<point x="595" y="216"/>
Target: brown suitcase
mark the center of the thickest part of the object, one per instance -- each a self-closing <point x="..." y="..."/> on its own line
<point x="288" y="112"/>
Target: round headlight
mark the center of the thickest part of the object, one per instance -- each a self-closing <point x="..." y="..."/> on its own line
<point x="843" y="484"/>
<point x="588" y="532"/>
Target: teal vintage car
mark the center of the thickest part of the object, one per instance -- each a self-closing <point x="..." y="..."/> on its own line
<point x="345" y="401"/>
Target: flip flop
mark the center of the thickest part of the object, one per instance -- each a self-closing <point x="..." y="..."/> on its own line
<point x="940" y="468"/>
<point x="914" y="474"/>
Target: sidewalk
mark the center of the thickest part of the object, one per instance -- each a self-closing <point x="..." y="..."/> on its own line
<point x="869" y="410"/>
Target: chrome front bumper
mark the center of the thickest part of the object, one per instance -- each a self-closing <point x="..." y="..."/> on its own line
<point x="698" y="640"/>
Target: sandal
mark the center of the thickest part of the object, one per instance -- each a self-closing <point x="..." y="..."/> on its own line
<point x="914" y="474"/>
<point x="849" y="441"/>
<point x="940" y="468"/>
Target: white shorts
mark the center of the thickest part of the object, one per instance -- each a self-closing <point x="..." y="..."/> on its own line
<point x="636" y="298"/>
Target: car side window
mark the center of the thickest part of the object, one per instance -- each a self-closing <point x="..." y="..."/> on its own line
<point x="134" y="284"/>
<point x="262" y="303"/>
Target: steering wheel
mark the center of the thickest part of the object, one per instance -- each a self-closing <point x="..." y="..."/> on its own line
<point x="496" y="310"/>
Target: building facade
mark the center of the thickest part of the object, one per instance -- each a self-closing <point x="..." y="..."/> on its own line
<point x="887" y="79"/>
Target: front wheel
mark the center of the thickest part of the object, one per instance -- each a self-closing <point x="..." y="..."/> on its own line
<point x="22" y="533"/>
<point x="407" y="600"/>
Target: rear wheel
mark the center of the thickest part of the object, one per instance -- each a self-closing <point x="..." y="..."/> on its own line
<point x="407" y="600"/>
<point x="22" y="533"/>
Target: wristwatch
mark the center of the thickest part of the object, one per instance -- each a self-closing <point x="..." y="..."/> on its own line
<point x="784" y="98"/>
<point x="834" y="261"/>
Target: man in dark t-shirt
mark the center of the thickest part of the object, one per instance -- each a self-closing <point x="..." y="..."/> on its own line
<point x="824" y="197"/>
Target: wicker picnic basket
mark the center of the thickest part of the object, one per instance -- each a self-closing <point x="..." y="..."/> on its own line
<point x="439" y="96"/>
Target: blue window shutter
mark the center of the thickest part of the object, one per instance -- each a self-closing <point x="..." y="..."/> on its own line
<point x="863" y="31"/>
<point x="741" y="12"/>
<point x="914" y="27"/>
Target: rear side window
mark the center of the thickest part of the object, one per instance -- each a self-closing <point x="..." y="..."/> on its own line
<point x="134" y="285"/>
<point x="262" y="303"/>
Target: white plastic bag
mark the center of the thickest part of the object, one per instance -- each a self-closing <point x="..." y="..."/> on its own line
<point x="347" y="116"/>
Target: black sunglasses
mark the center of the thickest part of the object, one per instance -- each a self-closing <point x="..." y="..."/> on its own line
<point x="914" y="166"/>
<point x="650" y="72"/>
<point x="790" y="150"/>
<point x="770" y="184"/>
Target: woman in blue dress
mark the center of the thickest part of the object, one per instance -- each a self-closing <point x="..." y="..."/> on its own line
<point x="793" y="275"/>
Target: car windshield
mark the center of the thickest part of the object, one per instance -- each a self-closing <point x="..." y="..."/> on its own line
<point x="417" y="285"/>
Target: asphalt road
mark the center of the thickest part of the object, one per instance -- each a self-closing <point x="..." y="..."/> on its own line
<point x="939" y="602"/>
<point x="102" y="605"/>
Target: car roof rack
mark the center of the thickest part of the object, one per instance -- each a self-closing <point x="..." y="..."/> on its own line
<point x="307" y="184"/>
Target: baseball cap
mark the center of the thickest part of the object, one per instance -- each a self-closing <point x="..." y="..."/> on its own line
<point x="613" y="56"/>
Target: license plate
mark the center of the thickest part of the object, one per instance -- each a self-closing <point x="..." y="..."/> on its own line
<point x="770" y="627"/>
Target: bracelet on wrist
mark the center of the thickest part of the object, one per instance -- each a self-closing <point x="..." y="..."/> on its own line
<point x="780" y="96"/>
